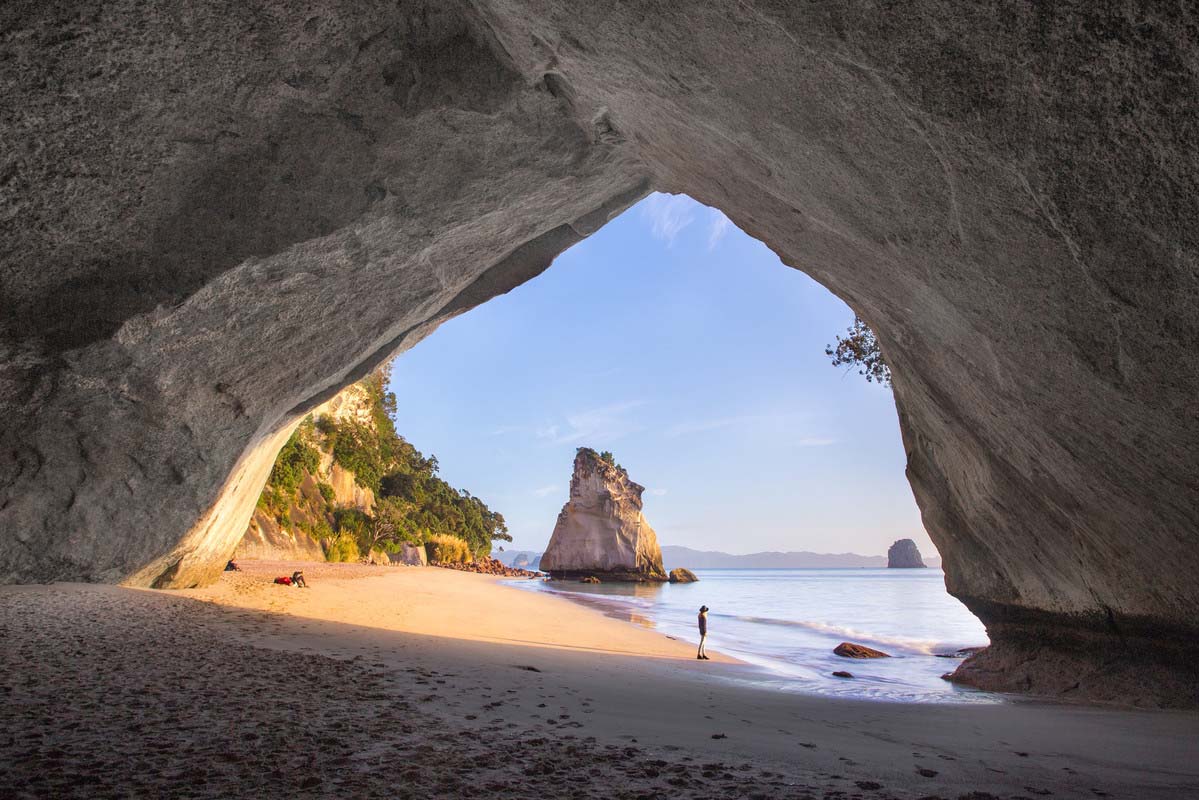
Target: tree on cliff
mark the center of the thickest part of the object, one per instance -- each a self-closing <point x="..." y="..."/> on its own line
<point x="860" y="348"/>
<point x="412" y="502"/>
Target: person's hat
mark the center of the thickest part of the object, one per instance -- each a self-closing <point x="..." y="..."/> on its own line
<point x="703" y="608"/>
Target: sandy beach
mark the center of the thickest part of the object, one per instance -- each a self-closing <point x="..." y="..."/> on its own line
<point x="409" y="682"/>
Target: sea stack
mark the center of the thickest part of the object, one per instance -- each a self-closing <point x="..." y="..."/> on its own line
<point x="904" y="555"/>
<point x="601" y="530"/>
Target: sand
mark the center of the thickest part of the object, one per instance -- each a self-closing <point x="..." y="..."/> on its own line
<point x="410" y="682"/>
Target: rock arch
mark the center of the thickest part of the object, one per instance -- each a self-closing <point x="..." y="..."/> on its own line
<point x="215" y="217"/>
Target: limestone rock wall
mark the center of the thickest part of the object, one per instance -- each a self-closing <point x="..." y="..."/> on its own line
<point x="1008" y="194"/>
<point x="601" y="530"/>
<point x="265" y="539"/>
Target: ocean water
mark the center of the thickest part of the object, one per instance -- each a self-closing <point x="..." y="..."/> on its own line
<point x="787" y="622"/>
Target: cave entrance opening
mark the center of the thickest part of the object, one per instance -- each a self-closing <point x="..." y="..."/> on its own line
<point x="685" y="348"/>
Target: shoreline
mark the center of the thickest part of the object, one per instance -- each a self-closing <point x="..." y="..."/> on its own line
<point x="436" y="601"/>
<point x="124" y="691"/>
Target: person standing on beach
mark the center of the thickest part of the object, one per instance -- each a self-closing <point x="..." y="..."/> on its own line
<point x="703" y="633"/>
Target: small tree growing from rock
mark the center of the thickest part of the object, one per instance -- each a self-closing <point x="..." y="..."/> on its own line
<point x="861" y="349"/>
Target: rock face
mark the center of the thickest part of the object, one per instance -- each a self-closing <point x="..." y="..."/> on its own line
<point x="850" y="650"/>
<point x="680" y="575"/>
<point x="601" y="531"/>
<point x="412" y="555"/>
<point x="213" y="221"/>
<point x="904" y="555"/>
<point x="265" y="539"/>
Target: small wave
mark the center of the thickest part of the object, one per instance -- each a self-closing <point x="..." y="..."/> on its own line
<point x="915" y="646"/>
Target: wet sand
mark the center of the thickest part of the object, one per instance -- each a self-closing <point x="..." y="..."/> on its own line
<point x="407" y="682"/>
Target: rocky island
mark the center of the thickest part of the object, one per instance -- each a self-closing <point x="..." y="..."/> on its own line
<point x="601" y="531"/>
<point x="904" y="555"/>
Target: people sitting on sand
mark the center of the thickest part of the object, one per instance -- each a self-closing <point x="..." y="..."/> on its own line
<point x="232" y="566"/>
<point x="703" y="633"/>
<point x="297" y="579"/>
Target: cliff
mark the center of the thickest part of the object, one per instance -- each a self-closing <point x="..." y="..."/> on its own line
<point x="298" y="507"/>
<point x="904" y="555"/>
<point x="601" y="530"/>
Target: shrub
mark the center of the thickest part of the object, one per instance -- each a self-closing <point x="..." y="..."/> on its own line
<point x="296" y="458"/>
<point x="446" y="549"/>
<point x="342" y="548"/>
<point x="326" y="492"/>
<point x="860" y="348"/>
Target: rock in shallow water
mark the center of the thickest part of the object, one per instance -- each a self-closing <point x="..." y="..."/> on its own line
<point x="904" y="555"/>
<point x="850" y="650"/>
<point x="680" y="575"/>
<point x="601" y="531"/>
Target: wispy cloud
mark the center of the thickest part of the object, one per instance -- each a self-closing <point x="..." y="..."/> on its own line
<point x="545" y="491"/>
<point x="703" y="425"/>
<point x="657" y="492"/>
<point x="718" y="226"/>
<point x="668" y="214"/>
<point x="505" y="429"/>
<point x="815" y="441"/>
<point x="595" y="424"/>
<point x="776" y="425"/>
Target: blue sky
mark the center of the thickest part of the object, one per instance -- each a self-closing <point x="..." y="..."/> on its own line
<point x="686" y="348"/>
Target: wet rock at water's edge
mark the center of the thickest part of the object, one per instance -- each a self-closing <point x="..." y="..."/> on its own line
<point x="680" y="575"/>
<point x="850" y="650"/>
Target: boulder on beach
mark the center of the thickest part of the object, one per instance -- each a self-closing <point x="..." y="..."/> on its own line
<point x="412" y="555"/>
<point x="377" y="558"/>
<point x="851" y="650"/>
<point x="904" y="555"/>
<point x="601" y="531"/>
<point x="842" y="674"/>
<point x="589" y="579"/>
<point x="680" y="575"/>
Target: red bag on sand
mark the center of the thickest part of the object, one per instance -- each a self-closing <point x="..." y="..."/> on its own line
<point x="285" y="581"/>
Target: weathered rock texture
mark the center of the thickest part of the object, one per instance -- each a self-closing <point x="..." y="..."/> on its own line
<point x="412" y="555"/>
<point x="213" y="216"/>
<point x="904" y="554"/>
<point x="682" y="575"/>
<point x="267" y="540"/>
<point x="601" y="531"/>
<point x="851" y="650"/>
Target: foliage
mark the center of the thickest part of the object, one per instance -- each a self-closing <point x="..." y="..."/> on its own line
<point x="295" y="459"/>
<point x="446" y="549"/>
<point x="606" y="457"/>
<point x="391" y="525"/>
<point x="860" y="348"/>
<point x="412" y="501"/>
<point x="342" y="548"/>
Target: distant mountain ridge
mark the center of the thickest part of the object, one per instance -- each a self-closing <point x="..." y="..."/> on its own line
<point x="678" y="556"/>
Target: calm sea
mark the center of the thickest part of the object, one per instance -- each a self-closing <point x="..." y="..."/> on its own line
<point x="787" y="622"/>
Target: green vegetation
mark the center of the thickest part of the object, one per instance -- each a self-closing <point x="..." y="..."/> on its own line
<point x="446" y="549"/>
<point x="412" y="503"/>
<point x="605" y="456"/>
<point x="342" y="547"/>
<point x="860" y="348"/>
